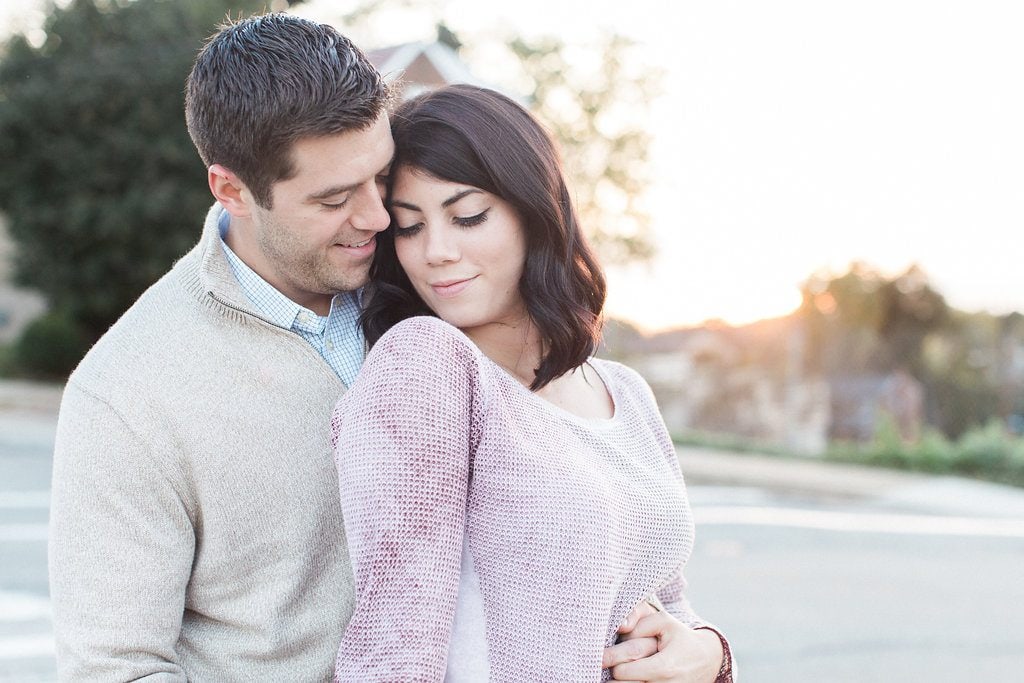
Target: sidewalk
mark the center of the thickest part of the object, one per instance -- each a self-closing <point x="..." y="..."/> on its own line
<point x="894" y="489"/>
<point x="801" y="476"/>
<point x="35" y="397"/>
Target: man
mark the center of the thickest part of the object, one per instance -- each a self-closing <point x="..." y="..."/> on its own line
<point x="196" y="532"/>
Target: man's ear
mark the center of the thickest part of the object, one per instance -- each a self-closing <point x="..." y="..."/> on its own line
<point x="230" y="191"/>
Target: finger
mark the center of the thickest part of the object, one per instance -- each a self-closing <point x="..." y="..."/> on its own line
<point x="656" y="625"/>
<point x="639" y="612"/>
<point x="628" y="651"/>
<point x="657" y="667"/>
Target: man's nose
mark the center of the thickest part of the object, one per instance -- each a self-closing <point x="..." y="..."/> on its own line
<point x="370" y="214"/>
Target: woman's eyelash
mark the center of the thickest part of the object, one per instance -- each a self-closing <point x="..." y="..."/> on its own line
<point x="470" y="221"/>
<point x="462" y="222"/>
<point x="408" y="232"/>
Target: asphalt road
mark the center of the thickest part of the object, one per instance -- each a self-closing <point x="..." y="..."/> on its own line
<point x="920" y="580"/>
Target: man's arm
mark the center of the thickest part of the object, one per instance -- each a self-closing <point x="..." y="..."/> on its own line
<point x="121" y="548"/>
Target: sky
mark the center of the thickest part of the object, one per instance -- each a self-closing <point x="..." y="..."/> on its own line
<point x="793" y="137"/>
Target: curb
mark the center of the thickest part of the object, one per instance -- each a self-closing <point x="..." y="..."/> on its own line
<point x="705" y="466"/>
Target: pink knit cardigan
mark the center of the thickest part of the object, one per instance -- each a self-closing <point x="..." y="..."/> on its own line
<point x="570" y="521"/>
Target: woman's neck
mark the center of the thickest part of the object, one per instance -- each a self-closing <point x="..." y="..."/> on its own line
<point x="516" y="346"/>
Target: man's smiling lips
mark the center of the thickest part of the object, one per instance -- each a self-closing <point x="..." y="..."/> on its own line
<point x="364" y="248"/>
<point x="450" y="288"/>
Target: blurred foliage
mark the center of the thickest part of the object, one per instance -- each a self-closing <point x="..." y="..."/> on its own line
<point x="983" y="451"/>
<point x="603" y="142"/>
<point x="49" y="348"/>
<point x="101" y="186"/>
<point x="7" y="365"/>
<point x="863" y="322"/>
<point x="593" y="96"/>
<point x="100" y="183"/>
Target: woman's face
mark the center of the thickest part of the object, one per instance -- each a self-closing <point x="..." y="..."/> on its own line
<point x="462" y="248"/>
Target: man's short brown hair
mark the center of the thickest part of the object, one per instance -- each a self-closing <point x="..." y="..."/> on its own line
<point x="264" y="82"/>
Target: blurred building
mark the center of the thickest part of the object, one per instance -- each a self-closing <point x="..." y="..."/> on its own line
<point x="417" y="67"/>
<point x="18" y="307"/>
<point x="861" y="405"/>
<point x="742" y="382"/>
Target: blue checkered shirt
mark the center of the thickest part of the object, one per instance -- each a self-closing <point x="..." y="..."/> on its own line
<point x="336" y="337"/>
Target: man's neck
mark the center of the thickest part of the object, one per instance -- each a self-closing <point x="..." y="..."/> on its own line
<point x="250" y="255"/>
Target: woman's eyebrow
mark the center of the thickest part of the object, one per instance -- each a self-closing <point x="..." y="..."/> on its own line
<point x="404" y="205"/>
<point x="457" y="196"/>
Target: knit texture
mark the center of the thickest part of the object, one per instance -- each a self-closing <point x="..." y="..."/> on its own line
<point x="570" y="522"/>
<point x="196" y="532"/>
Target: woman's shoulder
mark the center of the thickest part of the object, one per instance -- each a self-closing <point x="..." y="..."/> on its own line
<point x="625" y="379"/>
<point x="424" y="330"/>
<point x="425" y="338"/>
<point x="618" y="372"/>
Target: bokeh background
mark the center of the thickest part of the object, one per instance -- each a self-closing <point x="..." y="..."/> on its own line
<point x="811" y="218"/>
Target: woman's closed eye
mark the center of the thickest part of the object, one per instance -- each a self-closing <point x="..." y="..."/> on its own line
<point x="408" y="231"/>
<point x="470" y="221"/>
<point x="460" y="221"/>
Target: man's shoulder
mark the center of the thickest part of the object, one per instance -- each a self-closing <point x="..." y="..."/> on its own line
<point x="165" y="321"/>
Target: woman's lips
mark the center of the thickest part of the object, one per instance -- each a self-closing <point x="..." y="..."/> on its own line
<point x="449" y="288"/>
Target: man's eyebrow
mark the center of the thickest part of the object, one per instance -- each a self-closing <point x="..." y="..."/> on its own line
<point x="331" y="191"/>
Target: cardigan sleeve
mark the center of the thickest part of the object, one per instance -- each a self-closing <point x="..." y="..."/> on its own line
<point x="403" y="443"/>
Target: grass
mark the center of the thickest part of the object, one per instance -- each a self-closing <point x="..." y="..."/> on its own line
<point x="986" y="452"/>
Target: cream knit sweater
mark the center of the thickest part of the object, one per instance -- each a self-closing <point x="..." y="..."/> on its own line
<point x="196" y="532"/>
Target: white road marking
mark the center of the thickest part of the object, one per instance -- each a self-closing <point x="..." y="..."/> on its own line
<point x="23" y="532"/>
<point x="23" y="607"/>
<point x="27" y="647"/>
<point x="859" y="522"/>
<point x="25" y="499"/>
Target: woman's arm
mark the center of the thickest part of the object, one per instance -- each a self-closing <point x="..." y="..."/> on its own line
<point x="402" y="446"/>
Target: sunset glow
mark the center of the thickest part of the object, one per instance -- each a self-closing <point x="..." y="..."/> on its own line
<point x="797" y="136"/>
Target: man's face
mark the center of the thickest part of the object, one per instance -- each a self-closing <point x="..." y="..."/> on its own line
<point x="319" y="237"/>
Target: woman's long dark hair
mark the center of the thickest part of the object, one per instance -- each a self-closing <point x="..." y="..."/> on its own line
<point x="474" y="136"/>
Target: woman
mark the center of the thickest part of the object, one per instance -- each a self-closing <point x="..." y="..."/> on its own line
<point x="508" y="499"/>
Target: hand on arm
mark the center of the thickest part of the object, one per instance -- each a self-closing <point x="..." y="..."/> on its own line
<point x="655" y="646"/>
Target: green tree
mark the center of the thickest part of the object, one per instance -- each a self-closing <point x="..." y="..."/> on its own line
<point x="597" y="116"/>
<point x="863" y="321"/>
<point x="100" y="183"/>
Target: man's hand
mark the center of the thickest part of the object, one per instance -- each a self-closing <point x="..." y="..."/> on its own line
<point x="658" y="647"/>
